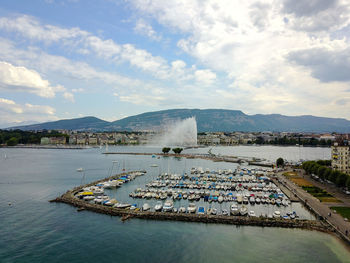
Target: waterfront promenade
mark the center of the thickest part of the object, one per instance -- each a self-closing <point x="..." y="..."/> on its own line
<point x="319" y="208"/>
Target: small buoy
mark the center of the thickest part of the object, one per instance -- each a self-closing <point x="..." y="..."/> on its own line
<point x="9" y="203"/>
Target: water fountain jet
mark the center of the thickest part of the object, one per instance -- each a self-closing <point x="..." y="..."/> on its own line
<point x="178" y="133"/>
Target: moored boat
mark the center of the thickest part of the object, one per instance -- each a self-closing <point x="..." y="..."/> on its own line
<point x="158" y="207"/>
<point x="277" y="214"/>
<point x="234" y="209"/>
<point x="191" y="208"/>
<point x="168" y="206"/>
<point x="146" y="207"/>
<point x="243" y="211"/>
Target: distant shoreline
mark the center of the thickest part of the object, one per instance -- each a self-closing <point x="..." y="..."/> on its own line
<point x="62" y="147"/>
<point x="74" y="147"/>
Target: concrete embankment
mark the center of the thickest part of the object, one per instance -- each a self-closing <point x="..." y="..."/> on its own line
<point x="70" y="199"/>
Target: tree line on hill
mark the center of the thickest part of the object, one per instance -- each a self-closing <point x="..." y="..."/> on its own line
<point x="14" y="137"/>
<point x="323" y="170"/>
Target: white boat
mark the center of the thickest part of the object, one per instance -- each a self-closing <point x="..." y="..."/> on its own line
<point x="225" y="212"/>
<point x="277" y="214"/>
<point x="168" y="206"/>
<point x="158" y="206"/>
<point x="234" y="210"/>
<point x="214" y="211"/>
<point x="88" y="197"/>
<point x="98" y="191"/>
<point x="98" y="200"/>
<point x="251" y="213"/>
<point x="78" y="170"/>
<point x="257" y="200"/>
<point x="191" y="208"/>
<point x="133" y="207"/>
<point x="182" y="209"/>
<point x="220" y="199"/>
<point x="121" y="205"/>
<point x="245" y="200"/>
<point x="111" y="202"/>
<point x="239" y="198"/>
<point x="154" y="165"/>
<point x="146" y="207"/>
<point x="243" y="210"/>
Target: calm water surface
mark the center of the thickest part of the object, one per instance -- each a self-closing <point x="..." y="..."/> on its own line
<point x="34" y="230"/>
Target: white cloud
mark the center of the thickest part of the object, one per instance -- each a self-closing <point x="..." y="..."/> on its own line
<point x="10" y="106"/>
<point x="21" y="79"/>
<point x="250" y="42"/>
<point x="39" y="109"/>
<point x="206" y="77"/>
<point x="144" y="28"/>
<point x="317" y="15"/>
<point x="31" y="28"/>
<point x="143" y="99"/>
<point x="85" y="43"/>
<point x="68" y="96"/>
<point x="51" y="63"/>
<point x="12" y="112"/>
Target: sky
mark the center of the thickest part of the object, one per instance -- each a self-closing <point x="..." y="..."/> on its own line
<point x="62" y="59"/>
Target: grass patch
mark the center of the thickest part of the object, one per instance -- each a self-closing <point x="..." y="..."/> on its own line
<point x="343" y="211"/>
<point x="301" y="182"/>
<point x="291" y="175"/>
<point x="321" y="194"/>
<point x="316" y="191"/>
<point x="329" y="200"/>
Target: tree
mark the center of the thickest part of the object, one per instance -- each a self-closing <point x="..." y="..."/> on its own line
<point x="12" y="141"/>
<point x="166" y="150"/>
<point x="327" y="173"/>
<point x="321" y="171"/>
<point x="177" y="150"/>
<point x="348" y="183"/>
<point x="333" y="176"/>
<point x="341" y="179"/>
<point x="315" y="168"/>
<point x="280" y="162"/>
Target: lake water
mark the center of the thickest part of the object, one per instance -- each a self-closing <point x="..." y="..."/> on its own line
<point x="34" y="230"/>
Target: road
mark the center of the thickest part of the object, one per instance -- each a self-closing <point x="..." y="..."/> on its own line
<point x="320" y="208"/>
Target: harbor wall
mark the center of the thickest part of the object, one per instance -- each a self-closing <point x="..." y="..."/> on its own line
<point x="69" y="198"/>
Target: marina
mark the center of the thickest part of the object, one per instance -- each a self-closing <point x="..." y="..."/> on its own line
<point x="240" y="197"/>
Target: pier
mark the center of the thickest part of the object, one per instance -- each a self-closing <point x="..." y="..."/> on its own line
<point x="211" y="157"/>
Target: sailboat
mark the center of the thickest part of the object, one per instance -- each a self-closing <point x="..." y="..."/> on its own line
<point x="123" y="166"/>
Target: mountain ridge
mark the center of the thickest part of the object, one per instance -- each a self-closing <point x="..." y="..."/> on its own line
<point x="208" y="120"/>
